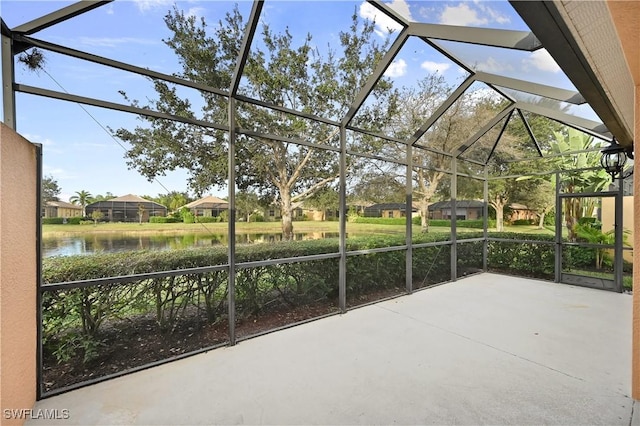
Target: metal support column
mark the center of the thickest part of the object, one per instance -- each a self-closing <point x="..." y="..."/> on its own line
<point x="454" y="238"/>
<point x="558" y="266"/>
<point x="342" y="273"/>
<point x="618" y="254"/>
<point x="485" y="221"/>
<point x="231" y="282"/>
<point x="8" y="78"/>
<point x="409" y="220"/>
<point x="38" y="219"/>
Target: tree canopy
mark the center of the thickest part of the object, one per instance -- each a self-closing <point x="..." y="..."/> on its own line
<point x="50" y="189"/>
<point x="279" y="70"/>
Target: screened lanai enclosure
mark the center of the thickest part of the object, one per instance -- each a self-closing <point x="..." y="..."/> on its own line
<point x="336" y="106"/>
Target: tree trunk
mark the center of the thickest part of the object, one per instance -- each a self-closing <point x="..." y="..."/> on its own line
<point x="571" y="215"/>
<point x="499" y="217"/>
<point x="287" y="216"/>
<point x="541" y="222"/>
<point x="424" y="218"/>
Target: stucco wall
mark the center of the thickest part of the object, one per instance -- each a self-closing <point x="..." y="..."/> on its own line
<point x="17" y="273"/>
<point x="628" y="222"/>
<point x="636" y="259"/>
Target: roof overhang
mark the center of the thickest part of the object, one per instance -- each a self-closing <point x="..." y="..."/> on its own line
<point x="582" y="38"/>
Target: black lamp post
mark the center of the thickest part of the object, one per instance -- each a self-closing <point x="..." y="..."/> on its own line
<point x="614" y="157"/>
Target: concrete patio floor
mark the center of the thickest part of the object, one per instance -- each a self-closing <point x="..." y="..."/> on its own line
<point x="488" y="349"/>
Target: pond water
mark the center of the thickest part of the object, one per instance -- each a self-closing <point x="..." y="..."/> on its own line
<point x="73" y="244"/>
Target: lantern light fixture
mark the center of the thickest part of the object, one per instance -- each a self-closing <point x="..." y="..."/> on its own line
<point x="614" y="158"/>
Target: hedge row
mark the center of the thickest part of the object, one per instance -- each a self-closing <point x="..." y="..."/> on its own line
<point x="73" y="318"/>
<point x="471" y="223"/>
<point x="62" y="220"/>
<point x="163" y="219"/>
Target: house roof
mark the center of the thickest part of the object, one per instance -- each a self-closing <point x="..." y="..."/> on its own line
<point x="207" y="202"/>
<point x="389" y="206"/>
<point x="62" y="204"/>
<point x="464" y="204"/>
<point x="129" y="198"/>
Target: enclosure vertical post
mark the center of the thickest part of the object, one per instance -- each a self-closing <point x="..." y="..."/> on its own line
<point x="558" y="263"/>
<point x="8" y="78"/>
<point x="409" y="220"/>
<point x="231" y="286"/>
<point x="38" y="219"/>
<point x="454" y="207"/>
<point x="618" y="253"/>
<point x="485" y="221"/>
<point x="342" y="272"/>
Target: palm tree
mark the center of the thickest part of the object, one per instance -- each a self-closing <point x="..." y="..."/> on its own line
<point x="82" y="198"/>
<point x="594" y="180"/>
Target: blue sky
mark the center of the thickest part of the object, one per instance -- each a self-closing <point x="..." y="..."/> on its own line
<point x="81" y="155"/>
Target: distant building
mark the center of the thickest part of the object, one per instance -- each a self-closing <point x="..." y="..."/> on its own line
<point x="209" y="206"/>
<point x="127" y="209"/>
<point x="392" y="210"/>
<point x="521" y="212"/>
<point x="61" y="209"/>
<point x="465" y="210"/>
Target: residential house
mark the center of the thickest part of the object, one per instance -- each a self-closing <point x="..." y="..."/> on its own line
<point x="521" y="212"/>
<point x="208" y="206"/>
<point x="465" y="210"/>
<point x="61" y="209"/>
<point x="391" y="210"/>
<point x="127" y="209"/>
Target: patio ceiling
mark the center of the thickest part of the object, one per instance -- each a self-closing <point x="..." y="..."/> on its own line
<point x="555" y="27"/>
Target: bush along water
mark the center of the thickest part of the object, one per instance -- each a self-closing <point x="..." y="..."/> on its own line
<point x="99" y="329"/>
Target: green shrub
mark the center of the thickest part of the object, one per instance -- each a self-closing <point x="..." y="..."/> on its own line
<point x="256" y="217"/>
<point x="465" y="223"/>
<point x="521" y="222"/>
<point x="207" y="219"/>
<point x="52" y="220"/>
<point x="444" y="223"/>
<point x="188" y="217"/>
<point x="162" y="219"/>
<point x="524" y="259"/>
<point x="380" y="220"/>
<point x="74" y="220"/>
<point x="73" y="318"/>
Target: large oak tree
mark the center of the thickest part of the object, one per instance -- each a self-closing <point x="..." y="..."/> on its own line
<point x="281" y="70"/>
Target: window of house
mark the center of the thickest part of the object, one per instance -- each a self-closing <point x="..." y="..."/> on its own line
<point x="272" y="213"/>
<point x="390" y="214"/>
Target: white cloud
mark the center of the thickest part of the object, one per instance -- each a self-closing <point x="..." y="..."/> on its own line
<point x="114" y="41"/>
<point x="541" y="60"/>
<point x="493" y="66"/>
<point x="461" y="15"/>
<point x="440" y="67"/>
<point x="146" y="5"/>
<point x="396" y="69"/>
<point x="384" y="24"/>
<point x="38" y="139"/>
<point x="198" y="12"/>
<point x="493" y="14"/>
<point x="109" y="9"/>
<point x="57" y="172"/>
<point x="402" y="8"/>
<point x="48" y="145"/>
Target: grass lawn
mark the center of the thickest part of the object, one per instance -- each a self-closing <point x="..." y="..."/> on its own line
<point x="253" y="227"/>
